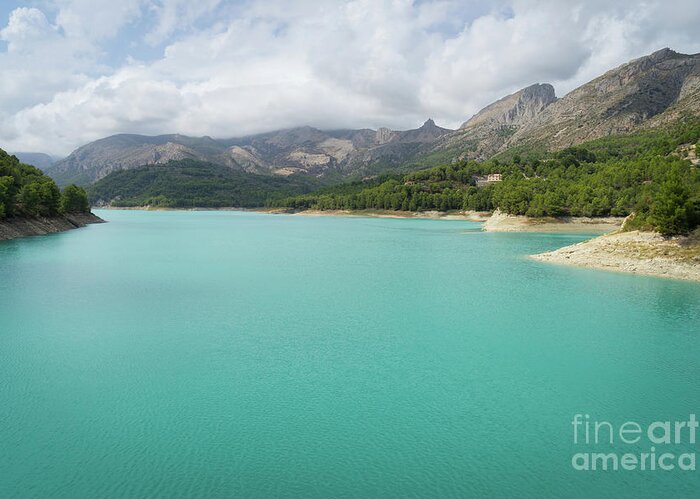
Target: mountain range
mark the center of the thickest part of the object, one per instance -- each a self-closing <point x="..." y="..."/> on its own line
<point x="646" y="92"/>
<point x="307" y="150"/>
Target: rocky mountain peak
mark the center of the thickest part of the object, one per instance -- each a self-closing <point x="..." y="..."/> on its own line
<point x="427" y="132"/>
<point x="662" y="54"/>
<point x="619" y="101"/>
<point x="514" y="109"/>
<point x="539" y="91"/>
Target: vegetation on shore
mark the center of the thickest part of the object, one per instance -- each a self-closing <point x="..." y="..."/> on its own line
<point x="26" y="191"/>
<point x="192" y="183"/>
<point x="639" y="174"/>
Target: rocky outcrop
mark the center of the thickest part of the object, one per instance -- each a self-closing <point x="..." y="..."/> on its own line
<point x="428" y="132"/>
<point x="621" y="100"/>
<point x="249" y="160"/>
<point x="501" y="222"/>
<point x="515" y="109"/>
<point x="633" y="252"/>
<point x="384" y="135"/>
<point x="650" y="91"/>
<point x="490" y="129"/>
<point x="19" y="227"/>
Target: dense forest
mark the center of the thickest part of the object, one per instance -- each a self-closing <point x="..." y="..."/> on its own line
<point x="643" y="173"/>
<point x="26" y="191"/>
<point x="191" y="183"/>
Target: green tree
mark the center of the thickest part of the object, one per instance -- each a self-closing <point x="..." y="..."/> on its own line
<point x="50" y="197"/>
<point x="29" y="198"/>
<point x="672" y="211"/>
<point x="74" y="200"/>
<point x="40" y="197"/>
<point x="5" y="198"/>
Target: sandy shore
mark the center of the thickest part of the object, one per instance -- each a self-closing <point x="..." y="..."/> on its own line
<point x="391" y="214"/>
<point x="633" y="252"/>
<point x="504" y="223"/>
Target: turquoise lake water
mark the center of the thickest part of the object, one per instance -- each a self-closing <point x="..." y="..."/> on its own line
<point x="226" y="354"/>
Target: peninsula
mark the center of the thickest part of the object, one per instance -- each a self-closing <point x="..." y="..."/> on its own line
<point x="31" y="203"/>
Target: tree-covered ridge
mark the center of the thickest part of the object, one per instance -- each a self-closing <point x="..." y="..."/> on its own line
<point x="191" y="183"/>
<point x="639" y="173"/>
<point x="26" y="191"/>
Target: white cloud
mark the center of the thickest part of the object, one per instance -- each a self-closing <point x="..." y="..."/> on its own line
<point x="229" y="70"/>
<point x="172" y="15"/>
<point x="26" y="26"/>
<point x="95" y="20"/>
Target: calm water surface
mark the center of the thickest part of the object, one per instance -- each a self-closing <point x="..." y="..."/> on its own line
<point x="210" y="354"/>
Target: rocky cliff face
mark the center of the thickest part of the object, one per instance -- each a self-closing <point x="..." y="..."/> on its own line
<point x="619" y="101"/>
<point x="487" y="131"/>
<point x="515" y="109"/>
<point x="646" y="92"/>
<point x="384" y="135"/>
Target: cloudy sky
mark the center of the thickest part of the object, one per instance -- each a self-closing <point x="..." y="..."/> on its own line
<point x="77" y="70"/>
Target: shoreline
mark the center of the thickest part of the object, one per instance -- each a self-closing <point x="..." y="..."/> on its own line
<point x="22" y="227"/>
<point x="386" y="214"/>
<point x="501" y="222"/>
<point x="496" y="221"/>
<point x="633" y="252"/>
<point x="392" y="214"/>
<point x="492" y="221"/>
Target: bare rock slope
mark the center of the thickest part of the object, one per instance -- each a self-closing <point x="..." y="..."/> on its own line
<point x="633" y="252"/>
<point x="490" y="129"/>
<point x="622" y="100"/>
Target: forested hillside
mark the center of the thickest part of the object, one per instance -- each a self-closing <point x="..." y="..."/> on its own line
<point x="191" y="183"/>
<point x="26" y="191"/>
<point x="641" y="173"/>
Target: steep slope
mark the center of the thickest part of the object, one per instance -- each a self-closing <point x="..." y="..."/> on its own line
<point x="490" y="128"/>
<point x="515" y="109"/>
<point x="621" y="100"/>
<point x="99" y="158"/>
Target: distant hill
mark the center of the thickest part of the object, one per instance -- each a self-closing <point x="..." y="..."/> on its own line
<point x="190" y="183"/>
<point x="338" y="153"/>
<point x="39" y="160"/>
